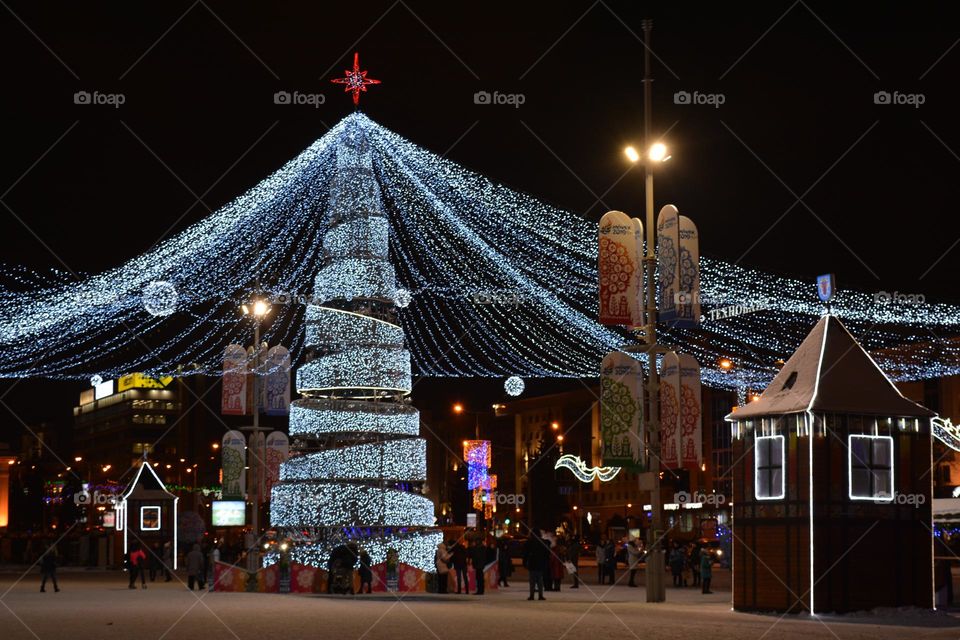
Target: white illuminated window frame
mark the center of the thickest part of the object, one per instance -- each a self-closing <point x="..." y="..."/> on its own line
<point x="154" y="508"/>
<point x="872" y="466"/>
<point x="761" y="441"/>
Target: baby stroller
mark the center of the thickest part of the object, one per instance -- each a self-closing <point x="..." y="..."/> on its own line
<point x="340" y="568"/>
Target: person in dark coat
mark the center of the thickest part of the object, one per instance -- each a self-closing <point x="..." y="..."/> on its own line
<point x="555" y="563"/>
<point x="504" y="563"/>
<point x="195" y="567"/>
<point x="677" y="561"/>
<point x="478" y="558"/>
<point x="48" y="569"/>
<point x="365" y="571"/>
<point x="536" y="559"/>
<point x="167" y="559"/>
<point x="706" y="571"/>
<point x="153" y="562"/>
<point x="610" y="560"/>
<point x="459" y="553"/>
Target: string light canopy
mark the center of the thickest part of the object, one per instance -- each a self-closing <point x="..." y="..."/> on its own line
<point x="465" y="254"/>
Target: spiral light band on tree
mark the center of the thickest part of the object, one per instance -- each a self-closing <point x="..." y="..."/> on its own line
<point x="358" y="467"/>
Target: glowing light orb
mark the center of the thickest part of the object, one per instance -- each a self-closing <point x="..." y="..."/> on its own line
<point x="160" y="298"/>
<point x="514" y="385"/>
<point x="96" y="380"/>
<point x="403" y="298"/>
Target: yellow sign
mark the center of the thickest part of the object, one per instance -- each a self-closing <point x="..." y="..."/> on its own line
<point x="141" y="381"/>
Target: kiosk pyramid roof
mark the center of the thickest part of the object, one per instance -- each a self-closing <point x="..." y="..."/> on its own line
<point x="831" y="373"/>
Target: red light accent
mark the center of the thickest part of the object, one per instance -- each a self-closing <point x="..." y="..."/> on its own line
<point x="355" y="80"/>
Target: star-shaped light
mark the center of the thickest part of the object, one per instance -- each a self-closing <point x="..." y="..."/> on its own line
<point x="355" y="80"/>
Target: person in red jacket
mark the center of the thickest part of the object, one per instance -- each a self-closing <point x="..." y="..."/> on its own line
<point x="138" y="565"/>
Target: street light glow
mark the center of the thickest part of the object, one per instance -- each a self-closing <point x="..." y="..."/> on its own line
<point x="631" y="154"/>
<point x="458" y="408"/>
<point x="658" y="152"/>
<point x="260" y="308"/>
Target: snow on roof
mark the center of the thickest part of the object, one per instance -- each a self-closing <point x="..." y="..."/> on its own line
<point x="831" y="373"/>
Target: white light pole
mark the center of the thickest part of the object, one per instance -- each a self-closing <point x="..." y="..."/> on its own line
<point x="257" y="308"/>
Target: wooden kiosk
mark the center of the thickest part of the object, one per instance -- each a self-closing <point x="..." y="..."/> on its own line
<point x="147" y="512"/>
<point x="832" y="493"/>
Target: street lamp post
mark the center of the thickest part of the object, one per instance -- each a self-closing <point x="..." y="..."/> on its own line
<point x="655" y="153"/>
<point x="257" y="309"/>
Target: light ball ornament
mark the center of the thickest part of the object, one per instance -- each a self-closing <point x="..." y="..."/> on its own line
<point x="403" y="298"/>
<point x="514" y="385"/>
<point x="160" y="298"/>
<point x="96" y="380"/>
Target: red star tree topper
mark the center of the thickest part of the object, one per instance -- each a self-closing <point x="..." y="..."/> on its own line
<point x="355" y="81"/>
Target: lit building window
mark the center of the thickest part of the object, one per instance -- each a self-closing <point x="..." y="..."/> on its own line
<point x="769" y="466"/>
<point x="871" y="467"/>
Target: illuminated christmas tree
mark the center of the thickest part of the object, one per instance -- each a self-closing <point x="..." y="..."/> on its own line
<point x="359" y="466"/>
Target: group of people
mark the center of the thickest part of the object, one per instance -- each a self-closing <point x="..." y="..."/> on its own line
<point x="456" y="555"/>
<point x="156" y="560"/>
<point x="546" y="560"/>
<point x="607" y="552"/>
<point x="691" y="566"/>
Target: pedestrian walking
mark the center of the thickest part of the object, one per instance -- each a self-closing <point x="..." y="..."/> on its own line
<point x="610" y="561"/>
<point x="573" y="559"/>
<point x="536" y="559"/>
<point x="601" y="559"/>
<point x="440" y="559"/>
<point x="153" y="561"/>
<point x="504" y="562"/>
<point x="633" y="560"/>
<point x="459" y="553"/>
<point x="167" y="559"/>
<point x="478" y="558"/>
<point x="48" y="569"/>
<point x="706" y="571"/>
<point x="195" y="568"/>
<point x="677" y="560"/>
<point x="366" y="572"/>
<point x="137" y="565"/>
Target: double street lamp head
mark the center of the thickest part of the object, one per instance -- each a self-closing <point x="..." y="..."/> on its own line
<point x="656" y="153"/>
<point x="256" y="308"/>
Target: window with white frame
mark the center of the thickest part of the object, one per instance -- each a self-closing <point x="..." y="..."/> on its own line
<point x="769" y="477"/>
<point x="871" y="467"/>
<point x="149" y="518"/>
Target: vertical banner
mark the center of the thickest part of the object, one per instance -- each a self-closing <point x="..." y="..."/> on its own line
<point x="234" y="401"/>
<point x="232" y="461"/>
<point x="670" y="411"/>
<point x="256" y="460"/>
<point x="668" y="261"/>
<point x="619" y="269"/>
<point x="688" y="298"/>
<point x="278" y="450"/>
<point x="691" y="412"/>
<point x="277" y="382"/>
<point x="640" y="305"/>
<point x="621" y="412"/>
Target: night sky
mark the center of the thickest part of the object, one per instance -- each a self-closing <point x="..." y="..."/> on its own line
<point x="87" y="187"/>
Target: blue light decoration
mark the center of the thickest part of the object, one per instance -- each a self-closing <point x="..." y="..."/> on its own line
<point x="160" y="298"/>
<point x="514" y="386"/>
<point x="359" y="467"/>
<point x="446" y="233"/>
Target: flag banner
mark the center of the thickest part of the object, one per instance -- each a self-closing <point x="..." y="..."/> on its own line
<point x="668" y="261"/>
<point x="640" y="303"/>
<point x="670" y="411"/>
<point x="234" y="400"/>
<point x="233" y="459"/>
<point x="691" y="412"/>
<point x="621" y="412"/>
<point x="619" y="269"/>
<point x="278" y="450"/>
<point x="277" y="382"/>
<point x="688" y="297"/>
<point x="256" y="461"/>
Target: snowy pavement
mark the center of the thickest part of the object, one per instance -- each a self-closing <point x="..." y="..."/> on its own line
<point x="99" y="605"/>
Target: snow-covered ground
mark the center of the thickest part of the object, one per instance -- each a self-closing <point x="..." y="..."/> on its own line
<point x="98" y="605"/>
